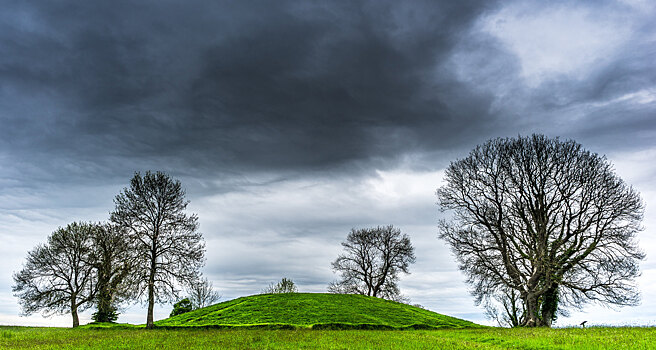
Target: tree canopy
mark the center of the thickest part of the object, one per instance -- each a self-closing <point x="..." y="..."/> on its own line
<point x="59" y="276"/>
<point x="181" y="307"/>
<point x="372" y="261"/>
<point x="540" y="225"/>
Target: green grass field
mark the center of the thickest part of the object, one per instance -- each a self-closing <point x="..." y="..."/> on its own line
<point x="474" y="338"/>
<point x="319" y="321"/>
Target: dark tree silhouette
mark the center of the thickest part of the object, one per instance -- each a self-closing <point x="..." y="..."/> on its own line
<point x="169" y="250"/>
<point x="58" y="276"/>
<point x="372" y="261"/>
<point x="544" y="220"/>
<point x="202" y="293"/>
<point x="113" y="260"/>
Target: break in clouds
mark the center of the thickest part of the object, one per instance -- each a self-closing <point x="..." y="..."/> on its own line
<point x="292" y="122"/>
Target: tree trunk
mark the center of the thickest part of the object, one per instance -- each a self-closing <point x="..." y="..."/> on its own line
<point x="103" y="298"/>
<point x="532" y="320"/>
<point x="76" y="320"/>
<point x="151" y="301"/>
<point x="549" y="305"/>
<point x="151" y="285"/>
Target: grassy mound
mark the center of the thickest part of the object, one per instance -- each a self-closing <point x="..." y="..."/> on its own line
<point x="314" y="310"/>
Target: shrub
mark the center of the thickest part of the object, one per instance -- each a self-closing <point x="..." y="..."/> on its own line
<point x="181" y="307"/>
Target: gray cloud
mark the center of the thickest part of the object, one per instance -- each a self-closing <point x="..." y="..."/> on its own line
<point x="291" y="122"/>
<point x="205" y="88"/>
<point x="220" y="86"/>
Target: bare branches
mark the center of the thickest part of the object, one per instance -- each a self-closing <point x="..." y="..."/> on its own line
<point x="59" y="276"/>
<point x="201" y="293"/>
<point x="541" y="216"/>
<point x="284" y="286"/>
<point x="372" y="261"/>
<point x="114" y="261"/>
<point x="169" y="250"/>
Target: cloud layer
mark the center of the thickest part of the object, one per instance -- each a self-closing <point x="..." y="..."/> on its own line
<point x="291" y="122"/>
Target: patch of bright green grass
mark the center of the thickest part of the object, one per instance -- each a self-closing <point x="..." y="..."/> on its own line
<point x="106" y="325"/>
<point x="244" y="338"/>
<point x="314" y="310"/>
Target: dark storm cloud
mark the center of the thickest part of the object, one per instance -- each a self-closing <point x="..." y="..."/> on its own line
<point x="210" y="86"/>
<point x="291" y="122"/>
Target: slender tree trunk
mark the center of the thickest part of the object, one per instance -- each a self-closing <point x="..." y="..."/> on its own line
<point x="76" y="320"/>
<point x="151" y="300"/>
<point x="151" y="285"/>
<point x="510" y="306"/>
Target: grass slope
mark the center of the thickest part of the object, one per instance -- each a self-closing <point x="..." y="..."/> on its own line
<point x="314" y="310"/>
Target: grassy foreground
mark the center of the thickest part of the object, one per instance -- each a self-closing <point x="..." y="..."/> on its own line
<point x="194" y="338"/>
<point x="314" y="310"/>
<point x="319" y="321"/>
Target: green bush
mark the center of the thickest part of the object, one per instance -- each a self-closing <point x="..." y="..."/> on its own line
<point x="109" y="315"/>
<point x="181" y="307"/>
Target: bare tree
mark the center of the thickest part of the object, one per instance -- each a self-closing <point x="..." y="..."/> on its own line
<point x="543" y="219"/>
<point x="58" y="276"/>
<point x="169" y="250"/>
<point x="284" y="286"/>
<point x="113" y="260"/>
<point x="201" y="293"/>
<point x="505" y="307"/>
<point x="372" y="261"/>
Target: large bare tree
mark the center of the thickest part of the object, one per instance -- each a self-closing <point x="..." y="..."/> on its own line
<point x="58" y="276"/>
<point x="545" y="221"/>
<point x="169" y="249"/>
<point x="372" y="261"/>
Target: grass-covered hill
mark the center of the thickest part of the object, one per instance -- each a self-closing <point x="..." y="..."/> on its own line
<point x="314" y="310"/>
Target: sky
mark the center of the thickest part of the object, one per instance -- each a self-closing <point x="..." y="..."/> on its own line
<point x="291" y="122"/>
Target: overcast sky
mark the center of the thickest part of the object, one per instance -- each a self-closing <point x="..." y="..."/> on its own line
<point x="291" y="122"/>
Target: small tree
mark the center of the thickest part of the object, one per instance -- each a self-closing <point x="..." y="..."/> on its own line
<point x="181" y="307"/>
<point x="284" y="286"/>
<point x="113" y="260"/>
<point x="169" y="251"/>
<point x="202" y="293"/>
<point x="58" y="276"/>
<point x="505" y="307"/>
<point x="372" y="261"/>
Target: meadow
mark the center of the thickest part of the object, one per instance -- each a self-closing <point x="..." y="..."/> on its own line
<point x="250" y="338"/>
<point x="319" y="321"/>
